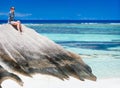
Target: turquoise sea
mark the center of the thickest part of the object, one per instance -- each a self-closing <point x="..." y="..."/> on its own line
<point x="97" y="43"/>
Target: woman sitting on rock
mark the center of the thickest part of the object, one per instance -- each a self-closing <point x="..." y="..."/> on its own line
<point x="12" y="21"/>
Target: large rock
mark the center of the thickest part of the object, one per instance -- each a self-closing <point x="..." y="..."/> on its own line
<point x="30" y="53"/>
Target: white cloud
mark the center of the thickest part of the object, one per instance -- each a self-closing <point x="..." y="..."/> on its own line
<point x="22" y="14"/>
<point x="3" y="14"/>
<point x="79" y="15"/>
<point x="16" y="14"/>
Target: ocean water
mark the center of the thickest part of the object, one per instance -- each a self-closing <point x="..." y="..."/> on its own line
<point x="97" y="43"/>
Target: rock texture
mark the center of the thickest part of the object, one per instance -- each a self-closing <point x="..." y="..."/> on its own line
<point x="29" y="53"/>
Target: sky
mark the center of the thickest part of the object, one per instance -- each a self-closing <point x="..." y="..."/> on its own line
<point x="62" y="9"/>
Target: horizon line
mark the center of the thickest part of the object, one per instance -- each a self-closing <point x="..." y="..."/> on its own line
<point x="64" y="21"/>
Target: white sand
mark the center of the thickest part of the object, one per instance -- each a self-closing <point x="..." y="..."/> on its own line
<point x="43" y="81"/>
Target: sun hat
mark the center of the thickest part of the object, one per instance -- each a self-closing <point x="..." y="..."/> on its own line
<point x="12" y="7"/>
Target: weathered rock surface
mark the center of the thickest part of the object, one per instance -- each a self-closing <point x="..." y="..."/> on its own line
<point x="29" y="53"/>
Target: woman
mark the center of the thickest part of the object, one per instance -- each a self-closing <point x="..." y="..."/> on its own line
<point x="12" y="21"/>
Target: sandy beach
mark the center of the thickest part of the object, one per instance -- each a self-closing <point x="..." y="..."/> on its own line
<point x="44" y="81"/>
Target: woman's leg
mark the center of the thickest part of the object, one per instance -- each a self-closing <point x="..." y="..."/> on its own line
<point x="19" y="26"/>
<point x="14" y="24"/>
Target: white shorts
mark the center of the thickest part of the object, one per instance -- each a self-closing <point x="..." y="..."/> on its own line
<point x="12" y="22"/>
